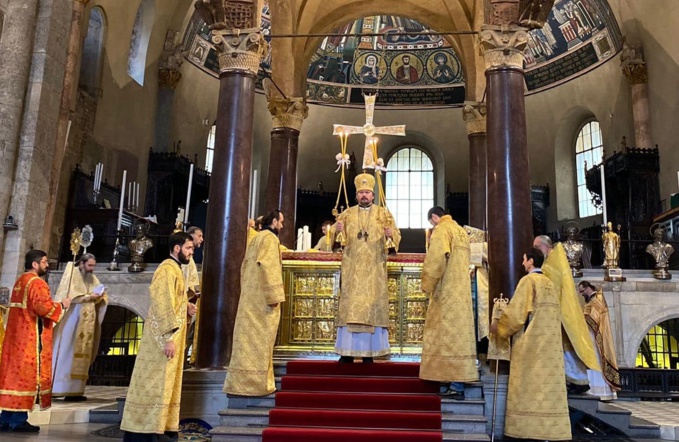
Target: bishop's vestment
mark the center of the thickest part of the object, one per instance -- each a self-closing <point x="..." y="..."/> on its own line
<point x="449" y="341"/>
<point x="537" y="405"/>
<point x="26" y="364"/>
<point x="76" y="337"/>
<point x="605" y="383"/>
<point x="250" y="371"/>
<point x="153" y="399"/>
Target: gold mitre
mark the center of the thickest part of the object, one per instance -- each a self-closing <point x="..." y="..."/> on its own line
<point x="364" y="181"/>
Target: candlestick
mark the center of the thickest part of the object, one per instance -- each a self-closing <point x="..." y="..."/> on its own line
<point x="136" y="200"/>
<point x="253" y="195"/>
<point x="188" y="196"/>
<point x="122" y="201"/>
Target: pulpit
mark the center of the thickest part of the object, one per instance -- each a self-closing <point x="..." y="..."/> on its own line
<point x="312" y="289"/>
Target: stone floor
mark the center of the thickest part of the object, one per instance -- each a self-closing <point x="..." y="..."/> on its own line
<point x="77" y="412"/>
<point x="663" y="413"/>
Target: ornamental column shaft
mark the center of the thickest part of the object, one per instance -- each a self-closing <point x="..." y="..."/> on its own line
<point x="635" y="69"/>
<point x="281" y="188"/>
<point x="240" y="47"/>
<point x="474" y="115"/>
<point x="510" y="230"/>
<point x="73" y="56"/>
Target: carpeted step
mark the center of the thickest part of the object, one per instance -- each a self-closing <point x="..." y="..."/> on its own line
<point x="296" y="434"/>
<point x="305" y="417"/>
<point x="334" y="368"/>
<point x="358" y="384"/>
<point x="359" y="401"/>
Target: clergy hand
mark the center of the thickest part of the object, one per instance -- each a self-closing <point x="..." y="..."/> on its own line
<point x="339" y="226"/>
<point x="388" y="232"/>
<point x="191" y="309"/>
<point x="170" y="349"/>
<point x="493" y="327"/>
<point x="66" y="302"/>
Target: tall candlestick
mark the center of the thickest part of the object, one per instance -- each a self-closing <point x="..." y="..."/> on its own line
<point x="122" y="201"/>
<point x="603" y="193"/>
<point x="188" y="195"/>
<point x="136" y="199"/>
<point x="253" y="194"/>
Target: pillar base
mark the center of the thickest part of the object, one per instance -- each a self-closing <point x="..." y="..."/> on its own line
<point x="202" y="395"/>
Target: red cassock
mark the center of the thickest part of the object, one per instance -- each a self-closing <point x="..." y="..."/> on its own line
<point x="25" y="370"/>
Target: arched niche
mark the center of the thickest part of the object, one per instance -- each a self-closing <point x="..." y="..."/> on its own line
<point x="642" y="328"/>
<point x="93" y="52"/>
<point x="139" y="43"/>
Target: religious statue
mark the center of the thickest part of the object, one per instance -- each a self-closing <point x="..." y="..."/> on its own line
<point x="611" y="242"/>
<point x="574" y="250"/>
<point x="138" y="246"/>
<point x="660" y="251"/>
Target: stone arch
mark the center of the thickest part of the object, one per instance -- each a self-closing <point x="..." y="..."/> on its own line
<point x="662" y="314"/>
<point x="564" y="161"/>
<point x="138" y="305"/>
<point x="93" y="51"/>
<point x="139" y="42"/>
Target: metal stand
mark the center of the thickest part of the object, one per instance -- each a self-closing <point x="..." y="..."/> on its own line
<point x="113" y="267"/>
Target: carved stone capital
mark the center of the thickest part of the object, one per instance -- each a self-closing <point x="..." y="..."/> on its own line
<point x="239" y="51"/>
<point x="288" y="112"/>
<point x="474" y="115"/>
<point x="229" y="14"/>
<point x="503" y="46"/>
<point x="502" y="12"/>
<point x="636" y="73"/>
<point x="168" y="78"/>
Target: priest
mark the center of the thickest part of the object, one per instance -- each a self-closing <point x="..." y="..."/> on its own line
<point x="363" y="318"/>
<point x="76" y="337"/>
<point x="153" y="398"/>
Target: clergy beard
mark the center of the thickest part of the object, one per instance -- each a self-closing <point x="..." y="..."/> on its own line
<point x="364" y="203"/>
<point x="183" y="259"/>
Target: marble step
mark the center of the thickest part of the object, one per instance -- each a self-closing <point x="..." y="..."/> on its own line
<point x="615" y="416"/>
<point x="111" y="414"/>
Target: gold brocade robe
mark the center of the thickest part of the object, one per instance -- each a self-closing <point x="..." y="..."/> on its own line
<point x="251" y="235"/>
<point x="449" y="341"/>
<point x="537" y="405"/>
<point x="154" y="395"/>
<point x="76" y="336"/>
<point x="192" y="282"/>
<point x="364" y="299"/>
<point x="558" y="271"/>
<point x="250" y="372"/>
<point x="598" y="321"/>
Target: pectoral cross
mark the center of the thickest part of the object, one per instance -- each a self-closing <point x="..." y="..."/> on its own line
<point x="369" y="130"/>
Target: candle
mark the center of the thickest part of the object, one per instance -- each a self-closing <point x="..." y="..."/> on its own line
<point x="122" y="201"/>
<point x="136" y="199"/>
<point x="306" y="243"/>
<point x="129" y="193"/>
<point x="300" y="235"/>
<point x="188" y="196"/>
<point x="253" y="195"/>
<point x="603" y="193"/>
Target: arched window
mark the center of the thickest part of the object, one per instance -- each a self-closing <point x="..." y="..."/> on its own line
<point x="660" y="348"/>
<point x="90" y="66"/>
<point x="589" y="151"/>
<point x="410" y="187"/>
<point x="139" y="43"/>
<point x="210" y="151"/>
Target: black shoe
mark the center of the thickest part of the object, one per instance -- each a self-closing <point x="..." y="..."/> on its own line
<point x="75" y="398"/>
<point x="346" y="360"/>
<point x="452" y="394"/>
<point x="368" y="360"/>
<point x="577" y="389"/>
<point x="25" y="428"/>
<point x="169" y="436"/>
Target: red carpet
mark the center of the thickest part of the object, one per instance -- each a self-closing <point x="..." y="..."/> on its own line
<point x="324" y="401"/>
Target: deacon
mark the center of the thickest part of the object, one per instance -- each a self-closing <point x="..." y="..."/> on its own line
<point x="537" y="405"/>
<point x="325" y="242"/>
<point x="252" y="230"/>
<point x="578" y="349"/>
<point x="363" y="317"/>
<point x="76" y="337"/>
<point x="153" y="398"/>
<point x="192" y="286"/>
<point x="445" y="279"/>
<point x="605" y="383"/>
<point x="26" y="364"/>
<point x="250" y="372"/>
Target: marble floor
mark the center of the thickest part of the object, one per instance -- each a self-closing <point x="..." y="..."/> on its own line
<point x="663" y="413"/>
<point x="63" y="412"/>
<point x="61" y="433"/>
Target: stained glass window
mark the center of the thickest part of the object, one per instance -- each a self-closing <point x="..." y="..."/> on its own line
<point x="210" y="152"/>
<point x="589" y="152"/>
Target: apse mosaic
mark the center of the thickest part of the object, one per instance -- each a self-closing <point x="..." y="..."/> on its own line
<point x="424" y="70"/>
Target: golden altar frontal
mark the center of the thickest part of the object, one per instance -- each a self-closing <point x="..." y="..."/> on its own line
<point x="312" y="288"/>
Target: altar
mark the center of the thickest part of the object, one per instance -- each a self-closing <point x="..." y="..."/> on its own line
<point x="312" y="288"/>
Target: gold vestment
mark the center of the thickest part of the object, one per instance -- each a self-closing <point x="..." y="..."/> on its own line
<point x="251" y="235"/>
<point x="364" y="299"/>
<point x="557" y="269"/>
<point x="596" y="315"/>
<point x="449" y="341"/>
<point x="192" y="282"/>
<point x="154" y="396"/>
<point x="250" y="372"/>
<point x="537" y="405"/>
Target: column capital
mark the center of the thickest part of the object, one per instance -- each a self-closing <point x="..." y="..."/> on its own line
<point x="503" y="46"/>
<point x="633" y="64"/>
<point x="235" y="33"/>
<point x="288" y="112"/>
<point x="474" y="115"/>
<point x="168" y="78"/>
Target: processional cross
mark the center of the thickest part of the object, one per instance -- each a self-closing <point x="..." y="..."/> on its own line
<point x="369" y="130"/>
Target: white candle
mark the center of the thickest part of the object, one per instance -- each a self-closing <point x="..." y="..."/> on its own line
<point x="136" y="200"/>
<point x="603" y="193"/>
<point x="253" y="195"/>
<point x="306" y="244"/>
<point x="300" y="236"/>
<point x="122" y="201"/>
<point x="129" y="195"/>
<point x="101" y="174"/>
<point x="188" y="196"/>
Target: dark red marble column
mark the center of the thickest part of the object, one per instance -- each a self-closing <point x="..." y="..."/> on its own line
<point x="226" y="224"/>
<point x="281" y="186"/>
<point x="509" y="208"/>
<point x="477" y="180"/>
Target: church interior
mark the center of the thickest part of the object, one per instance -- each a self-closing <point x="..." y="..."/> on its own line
<point x="518" y="117"/>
